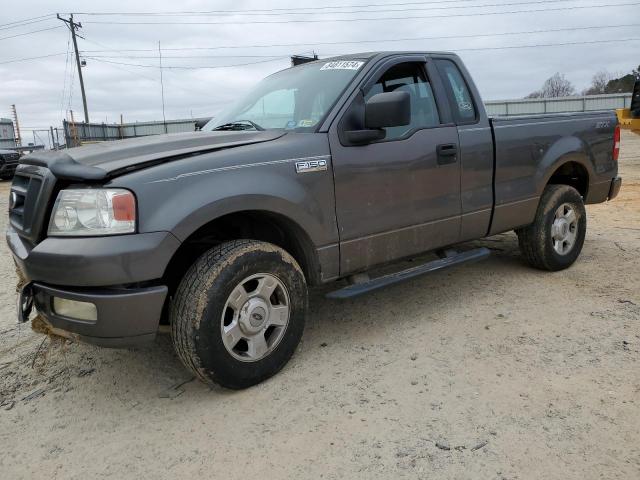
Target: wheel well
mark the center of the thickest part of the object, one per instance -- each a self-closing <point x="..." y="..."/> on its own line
<point x="252" y="224"/>
<point x="572" y="174"/>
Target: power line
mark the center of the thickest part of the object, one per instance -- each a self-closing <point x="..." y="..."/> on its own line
<point x="26" y="19"/>
<point x="64" y="83"/>
<point x="32" y="58"/>
<point x="369" y="19"/>
<point x="382" y="40"/>
<point x="72" y="79"/>
<point x="29" y="33"/>
<point x="8" y="26"/>
<point x="126" y="70"/>
<point x="180" y="56"/>
<point x="508" y="47"/>
<point x="108" y="49"/>
<point x="385" y="10"/>
<point x="287" y="9"/>
<point x="274" y="57"/>
<point x="588" y="42"/>
<point x="537" y="45"/>
<point x="190" y="67"/>
<point x="115" y="66"/>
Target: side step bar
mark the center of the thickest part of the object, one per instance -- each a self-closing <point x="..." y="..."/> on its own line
<point x="450" y="260"/>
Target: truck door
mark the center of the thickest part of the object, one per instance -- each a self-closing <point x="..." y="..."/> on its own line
<point x="401" y="195"/>
<point x="475" y="147"/>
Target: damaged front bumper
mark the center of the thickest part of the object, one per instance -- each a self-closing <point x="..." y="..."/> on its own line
<point x="103" y="290"/>
<point x="107" y="317"/>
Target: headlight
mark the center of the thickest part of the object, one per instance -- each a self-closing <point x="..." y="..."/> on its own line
<point x="93" y="211"/>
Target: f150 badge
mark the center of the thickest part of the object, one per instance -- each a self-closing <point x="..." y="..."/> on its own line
<point x="307" y="166"/>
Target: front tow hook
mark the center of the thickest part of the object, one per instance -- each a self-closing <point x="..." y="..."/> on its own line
<point x="25" y="303"/>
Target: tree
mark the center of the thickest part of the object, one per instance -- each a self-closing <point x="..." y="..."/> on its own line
<point x="624" y="83"/>
<point x="554" y="86"/>
<point x="604" y="82"/>
<point x="599" y="83"/>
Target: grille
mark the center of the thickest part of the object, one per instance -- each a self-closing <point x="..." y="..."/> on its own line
<point x="30" y="194"/>
<point x="10" y="158"/>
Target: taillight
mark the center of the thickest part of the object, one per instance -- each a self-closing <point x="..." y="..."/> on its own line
<point x="616" y="143"/>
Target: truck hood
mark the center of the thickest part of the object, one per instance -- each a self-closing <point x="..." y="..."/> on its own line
<point x="101" y="161"/>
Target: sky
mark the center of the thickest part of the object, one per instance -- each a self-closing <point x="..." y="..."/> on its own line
<point x="120" y="81"/>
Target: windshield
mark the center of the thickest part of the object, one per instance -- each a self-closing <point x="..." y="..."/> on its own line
<point x="294" y="99"/>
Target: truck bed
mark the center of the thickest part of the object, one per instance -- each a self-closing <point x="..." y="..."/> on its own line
<point x="527" y="150"/>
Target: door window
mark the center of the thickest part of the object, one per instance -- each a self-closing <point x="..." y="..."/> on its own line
<point x="463" y="108"/>
<point x="411" y="78"/>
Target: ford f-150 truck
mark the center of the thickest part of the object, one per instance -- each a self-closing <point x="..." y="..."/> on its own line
<point x="321" y="172"/>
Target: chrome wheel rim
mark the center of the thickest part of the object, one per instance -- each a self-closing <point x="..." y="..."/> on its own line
<point x="564" y="230"/>
<point x="255" y="317"/>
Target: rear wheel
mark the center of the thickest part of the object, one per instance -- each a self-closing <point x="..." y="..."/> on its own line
<point x="239" y="312"/>
<point x="555" y="238"/>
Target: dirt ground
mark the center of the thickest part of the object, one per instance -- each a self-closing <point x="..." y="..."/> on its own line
<point x="488" y="371"/>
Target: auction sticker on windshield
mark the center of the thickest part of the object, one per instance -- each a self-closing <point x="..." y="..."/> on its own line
<point x="342" y="65"/>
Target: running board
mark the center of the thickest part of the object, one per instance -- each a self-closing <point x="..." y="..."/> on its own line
<point x="450" y="260"/>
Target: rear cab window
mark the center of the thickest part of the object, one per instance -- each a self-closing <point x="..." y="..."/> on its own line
<point x="462" y="104"/>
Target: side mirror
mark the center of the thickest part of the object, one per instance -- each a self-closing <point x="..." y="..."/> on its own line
<point x="388" y="109"/>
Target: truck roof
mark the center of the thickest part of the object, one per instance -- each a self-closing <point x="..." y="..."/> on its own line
<point x="381" y="53"/>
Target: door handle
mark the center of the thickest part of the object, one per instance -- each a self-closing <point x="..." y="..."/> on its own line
<point x="447" y="153"/>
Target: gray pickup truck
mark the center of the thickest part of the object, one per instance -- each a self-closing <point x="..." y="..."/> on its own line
<point x="321" y="172"/>
<point x="8" y="162"/>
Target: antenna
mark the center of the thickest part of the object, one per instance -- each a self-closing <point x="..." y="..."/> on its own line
<point x="164" y="120"/>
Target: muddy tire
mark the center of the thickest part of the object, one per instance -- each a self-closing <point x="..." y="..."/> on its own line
<point x="239" y="313"/>
<point x="555" y="238"/>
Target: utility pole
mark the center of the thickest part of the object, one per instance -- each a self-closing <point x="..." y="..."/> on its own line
<point x="17" y="126"/>
<point x="73" y="27"/>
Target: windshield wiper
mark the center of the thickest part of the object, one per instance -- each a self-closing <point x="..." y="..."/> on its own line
<point x="239" y="125"/>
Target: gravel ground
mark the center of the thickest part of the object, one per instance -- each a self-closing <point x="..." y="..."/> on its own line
<point x="488" y="371"/>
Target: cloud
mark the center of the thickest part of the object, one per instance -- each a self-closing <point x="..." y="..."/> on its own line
<point x="36" y="87"/>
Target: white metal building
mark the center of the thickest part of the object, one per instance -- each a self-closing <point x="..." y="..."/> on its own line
<point x="7" y="134"/>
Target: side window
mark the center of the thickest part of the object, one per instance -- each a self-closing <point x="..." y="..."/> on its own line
<point x="410" y="78"/>
<point x="463" y="108"/>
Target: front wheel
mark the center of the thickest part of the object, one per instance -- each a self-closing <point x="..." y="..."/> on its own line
<point x="555" y="238"/>
<point x="239" y="313"/>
